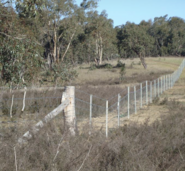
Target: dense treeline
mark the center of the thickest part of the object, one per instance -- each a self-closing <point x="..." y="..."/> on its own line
<point x="50" y="36"/>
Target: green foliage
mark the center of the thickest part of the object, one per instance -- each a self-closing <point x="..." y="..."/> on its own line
<point x="107" y="66"/>
<point x="120" y="64"/>
<point x="161" y="37"/>
<point x="92" y="67"/>
<point x="62" y="73"/>
<point x="122" y="73"/>
<point x="139" y="63"/>
<point x="20" y="53"/>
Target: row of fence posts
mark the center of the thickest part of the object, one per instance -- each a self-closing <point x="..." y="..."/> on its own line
<point x="159" y="86"/>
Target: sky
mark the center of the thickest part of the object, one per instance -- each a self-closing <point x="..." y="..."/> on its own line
<point x="121" y="11"/>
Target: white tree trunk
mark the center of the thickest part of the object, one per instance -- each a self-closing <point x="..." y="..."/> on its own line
<point x="24" y="99"/>
<point x="55" y="45"/>
<point x="101" y="50"/>
<point x="69" y="43"/>
<point x="11" y="106"/>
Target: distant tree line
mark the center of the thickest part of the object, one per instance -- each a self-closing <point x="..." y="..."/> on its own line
<point x="50" y="36"/>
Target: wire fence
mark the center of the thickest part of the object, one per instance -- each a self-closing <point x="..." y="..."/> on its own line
<point x="111" y="113"/>
<point x="92" y="112"/>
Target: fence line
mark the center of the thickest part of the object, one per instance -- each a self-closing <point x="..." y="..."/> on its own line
<point x="95" y="111"/>
<point x="133" y="101"/>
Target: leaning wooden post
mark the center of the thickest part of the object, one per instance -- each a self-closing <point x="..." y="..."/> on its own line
<point x="35" y="129"/>
<point x="69" y="111"/>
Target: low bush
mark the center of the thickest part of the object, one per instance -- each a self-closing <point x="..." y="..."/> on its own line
<point x="158" y="146"/>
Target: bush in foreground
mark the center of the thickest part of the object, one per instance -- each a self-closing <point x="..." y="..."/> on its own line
<point x="155" y="147"/>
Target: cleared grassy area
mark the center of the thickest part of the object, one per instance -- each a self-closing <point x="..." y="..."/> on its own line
<point x="134" y="71"/>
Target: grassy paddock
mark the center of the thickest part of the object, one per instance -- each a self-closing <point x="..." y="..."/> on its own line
<point x="134" y="71"/>
<point x="106" y="83"/>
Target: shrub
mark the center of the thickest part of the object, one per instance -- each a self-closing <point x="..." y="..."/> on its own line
<point x="120" y="64"/>
<point x="122" y="73"/>
<point x="92" y="67"/>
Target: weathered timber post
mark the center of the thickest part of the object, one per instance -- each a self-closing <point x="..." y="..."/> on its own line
<point x="69" y="111"/>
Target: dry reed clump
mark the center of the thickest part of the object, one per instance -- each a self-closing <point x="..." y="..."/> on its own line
<point x="156" y="147"/>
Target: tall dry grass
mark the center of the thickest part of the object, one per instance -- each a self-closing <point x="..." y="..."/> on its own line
<point x="156" y="147"/>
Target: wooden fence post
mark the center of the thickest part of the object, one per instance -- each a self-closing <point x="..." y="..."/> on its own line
<point x="69" y="111"/>
<point x="128" y="111"/>
<point x="141" y="96"/>
<point x="118" y="109"/>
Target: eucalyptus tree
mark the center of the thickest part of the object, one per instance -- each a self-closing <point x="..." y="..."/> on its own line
<point x="135" y="41"/>
<point x="159" y="31"/>
<point x="101" y="30"/>
<point x="20" y="52"/>
<point x="176" y="36"/>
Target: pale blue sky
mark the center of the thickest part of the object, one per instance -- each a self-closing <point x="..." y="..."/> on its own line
<point x="135" y="11"/>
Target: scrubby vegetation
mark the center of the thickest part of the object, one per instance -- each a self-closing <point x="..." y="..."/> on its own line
<point x="157" y="146"/>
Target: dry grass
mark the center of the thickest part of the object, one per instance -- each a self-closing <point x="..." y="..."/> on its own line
<point x="157" y="146"/>
<point x="134" y="71"/>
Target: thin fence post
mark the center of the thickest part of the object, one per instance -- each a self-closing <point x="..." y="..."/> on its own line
<point x="171" y="80"/>
<point x="150" y="91"/>
<point x="119" y="110"/>
<point x="128" y="102"/>
<point x="168" y="81"/>
<point x="146" y="92"/>
<point x="155" y="93"/>
<point x="161" y="85"/>
<point x="158" y="86"/>
<point x="107" y="112"/>
<point x="141" y="98"/>
<point x="164" y="84"/>
<point x="135" y="104"/>
<point x="90" y="115"/>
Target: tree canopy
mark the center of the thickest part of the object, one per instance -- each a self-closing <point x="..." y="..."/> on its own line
<point x="51" y="36"/>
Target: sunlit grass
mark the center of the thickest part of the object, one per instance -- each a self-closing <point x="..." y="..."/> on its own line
<point x="133" y="67"/>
